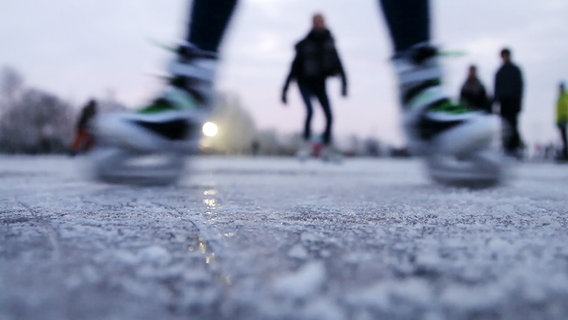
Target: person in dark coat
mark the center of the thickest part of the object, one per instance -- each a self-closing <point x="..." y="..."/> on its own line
<point x="316" y="59"/>
<point x="473" y="93"/>
<point x="562" y="120"/>
<point x="83" y="140"/>
<point x="509" y="94"/>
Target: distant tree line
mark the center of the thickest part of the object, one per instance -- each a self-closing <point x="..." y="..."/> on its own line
<point x="32" y="120"/>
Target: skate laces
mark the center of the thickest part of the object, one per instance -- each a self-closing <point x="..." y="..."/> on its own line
<point x="193" y="71"/>
<point x="172" y="99"/>
<point x="422" y="52"/>
<point x="158" y="105"/>
<point x="189" y="82"/>
<point x="448" y="106"/>
<point x="421" y="80"/>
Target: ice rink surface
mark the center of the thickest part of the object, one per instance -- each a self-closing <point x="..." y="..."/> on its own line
<point x="273" y="238"/>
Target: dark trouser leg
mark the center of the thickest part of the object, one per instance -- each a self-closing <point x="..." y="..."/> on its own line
<point x="206" y="25"/>
<point x="321" y="93"/>
<point x="507" y="133"/>
<point x="208" y="21"/>
<point x="511" y="137"/>
<point x="510" y="113"/>
<point x="516" y="138"/>
<point x="408" y="22"/>
<point x="306" y="93"/>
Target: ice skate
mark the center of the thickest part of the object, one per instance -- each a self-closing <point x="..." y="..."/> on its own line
<point x="305" y="151"/>
<point x="455" y="141"/>
<point x="117" y="165"/>
<point x="149" y="145"/>
<point x="330" y="154"/>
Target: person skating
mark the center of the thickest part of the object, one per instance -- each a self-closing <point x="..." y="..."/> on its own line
<point x="562" y="120"/>
<point x="473" y="93"/>
<point x="508" y="93"/>
<point x="83" y="140"/>
<point x="316" y="59"/>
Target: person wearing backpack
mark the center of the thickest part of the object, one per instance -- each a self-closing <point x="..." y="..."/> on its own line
<point x="316" y="59"/>
<point x="473" y="93"/>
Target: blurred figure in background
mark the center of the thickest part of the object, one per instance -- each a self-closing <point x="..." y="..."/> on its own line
<point x="315" y="60"/>
<point x="473" y="93"/>
<point x="562" y="119"/>
<point x="509" y="95"/>
<point x="83" y="139"/>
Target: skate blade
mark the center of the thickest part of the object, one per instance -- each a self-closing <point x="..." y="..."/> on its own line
<point x="118" y="166"/>
<point x="116" y="130"/>
<point x="482" y="170"/>
<point x="467" y="139"/>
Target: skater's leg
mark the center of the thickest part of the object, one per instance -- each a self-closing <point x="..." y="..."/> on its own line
<point x="428" y="112"/>
<point x="435" y="127"/>
<point x="321" y="94"/>
<point x="171" y="124"/>
<point x="208" y="21"/>
<point x="408" y="22"/>
<point x="306" y="94"/>
<point x="515" y="135"/>
<point x="511" y="109"/>
<point x="506" y="133"/>
<point x="328" y="151"/>
<point x="305" y="149"/>
<point x="195" y="67"/>
<point x="510" y="136"/>
<point x="178" y="113"/>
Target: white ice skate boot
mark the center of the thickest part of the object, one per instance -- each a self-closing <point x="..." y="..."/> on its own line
<point x="454" y="140"/>
<point x="169" y="128"/>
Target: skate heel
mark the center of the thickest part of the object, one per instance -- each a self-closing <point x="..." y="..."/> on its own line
<point x="476" y="134"/>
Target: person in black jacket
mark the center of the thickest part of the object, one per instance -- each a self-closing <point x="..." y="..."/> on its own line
<point x="473" y="93"/>
<point x="508" y="94"/>
<point x="316" y="59"/>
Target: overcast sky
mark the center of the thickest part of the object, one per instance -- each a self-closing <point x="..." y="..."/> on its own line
<point x="80" y="49"/>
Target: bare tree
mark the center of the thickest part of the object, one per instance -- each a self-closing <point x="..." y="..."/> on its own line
<point x="37" y="122"/>
<point x="11" y="84"/>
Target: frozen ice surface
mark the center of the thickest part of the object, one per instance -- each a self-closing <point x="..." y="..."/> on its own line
<point x="302" y="283"/>
<point x="273" y="238"/>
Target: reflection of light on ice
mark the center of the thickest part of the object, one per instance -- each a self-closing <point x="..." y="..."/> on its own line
<point x="210" y="202"/>
<point x="210" y="192"/>
<point x="203" y="248"/>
